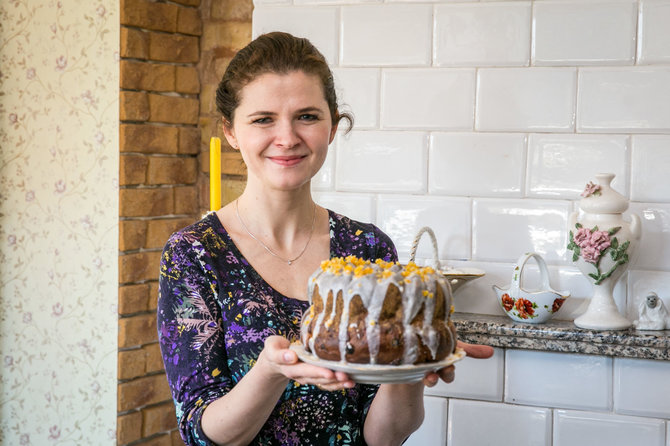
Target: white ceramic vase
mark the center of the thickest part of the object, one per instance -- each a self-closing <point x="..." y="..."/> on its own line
<point x="602" y="243"/>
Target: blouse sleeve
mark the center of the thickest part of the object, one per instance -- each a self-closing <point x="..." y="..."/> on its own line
<point x="385" y="247"/>
<point x="190" y="334"/>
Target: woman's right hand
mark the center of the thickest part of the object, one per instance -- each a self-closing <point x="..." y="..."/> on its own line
<point x="279" y="360"/>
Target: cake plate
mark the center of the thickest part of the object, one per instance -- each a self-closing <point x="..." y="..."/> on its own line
<point x="378" y="374"/>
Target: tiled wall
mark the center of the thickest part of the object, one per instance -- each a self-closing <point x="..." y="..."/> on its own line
<point x="484" y="120"/>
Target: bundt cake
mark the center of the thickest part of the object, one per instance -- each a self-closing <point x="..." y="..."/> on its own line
<point x="378" y="313"/>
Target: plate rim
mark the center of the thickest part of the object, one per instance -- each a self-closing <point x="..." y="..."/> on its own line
<point x="378" y="374"/>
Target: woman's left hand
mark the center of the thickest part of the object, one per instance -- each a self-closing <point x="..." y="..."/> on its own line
<point x="447" y="374"/>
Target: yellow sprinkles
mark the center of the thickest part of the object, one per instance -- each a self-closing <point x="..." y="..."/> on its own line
<point x="357" y="267"/>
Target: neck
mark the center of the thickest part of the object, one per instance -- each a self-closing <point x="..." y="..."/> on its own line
<point x="280" y="219"/>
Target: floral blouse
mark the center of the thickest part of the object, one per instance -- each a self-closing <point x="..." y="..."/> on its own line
<point x="214" y="313"/>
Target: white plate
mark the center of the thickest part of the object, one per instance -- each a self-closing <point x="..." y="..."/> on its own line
<point x="459" y="276"/>
<point x="378" y="374"/>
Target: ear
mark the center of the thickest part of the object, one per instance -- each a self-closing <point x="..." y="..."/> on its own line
<point x="332" y="133"/>
<point x="229" y="133"/>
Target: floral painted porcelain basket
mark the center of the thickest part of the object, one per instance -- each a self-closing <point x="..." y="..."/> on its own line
<point x="531" y="306"/>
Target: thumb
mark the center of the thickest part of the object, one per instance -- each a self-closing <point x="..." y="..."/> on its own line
<point x="278" y="348"/>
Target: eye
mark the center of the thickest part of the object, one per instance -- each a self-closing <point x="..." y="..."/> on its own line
<point x="263" y="120"/>
<point x="308" y="117"/>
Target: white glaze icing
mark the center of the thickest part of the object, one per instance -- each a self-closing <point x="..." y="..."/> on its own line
<point x="354" y="277"/>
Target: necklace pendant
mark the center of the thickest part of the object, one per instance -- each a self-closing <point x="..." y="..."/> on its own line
<point x="289" y="262"/>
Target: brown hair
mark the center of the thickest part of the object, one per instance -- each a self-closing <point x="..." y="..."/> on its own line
<point x="279" y="53"/>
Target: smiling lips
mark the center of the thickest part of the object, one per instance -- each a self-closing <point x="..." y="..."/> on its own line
<point x="287" y="161"/>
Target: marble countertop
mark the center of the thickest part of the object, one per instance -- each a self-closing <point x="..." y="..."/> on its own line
<point x="561" y="336"/>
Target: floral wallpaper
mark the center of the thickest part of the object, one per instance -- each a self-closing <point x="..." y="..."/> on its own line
<point x="59" y="87"/>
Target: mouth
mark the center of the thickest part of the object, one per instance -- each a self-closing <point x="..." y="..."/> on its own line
<point x="287" y="161"/>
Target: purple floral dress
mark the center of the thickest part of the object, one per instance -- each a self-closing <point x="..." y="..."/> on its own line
<point x="214" y="313"/>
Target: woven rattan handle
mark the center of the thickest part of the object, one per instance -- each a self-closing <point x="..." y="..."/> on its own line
<point x="415" y="245"/>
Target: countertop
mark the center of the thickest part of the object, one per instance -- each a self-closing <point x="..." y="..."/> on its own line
<point x="561" y="336"/>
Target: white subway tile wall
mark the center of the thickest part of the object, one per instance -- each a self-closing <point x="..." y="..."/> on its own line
<point x="623" y="100"/>
<point x="423" y="98"/>
<point x="558" y="163"/>
<point x="654" y="32"/>
<point x="573" y="428"/>
<point x="482" y="423"/>
<point x="484" y="120"/>
<point x="563" y="380"/>
<point x="649" y="164"/>
<point x="402" y="216"/>
<point x="403" y="170"/>
<point x="584" y="33"/>
<point x="476" y="379"/>
<point x="482" y="34"/>
<point x="503" y="229"/>
<point x="358" y="93"/>
<point x="634" y="393"/>
<point x="455" y="167"/>
<point x="525" y="99"/>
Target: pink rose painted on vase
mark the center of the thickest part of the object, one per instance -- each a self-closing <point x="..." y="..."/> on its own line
<point x="592" y="244"/>
<point x="591" y="189"/>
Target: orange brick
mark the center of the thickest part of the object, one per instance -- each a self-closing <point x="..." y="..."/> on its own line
<point x="139" y="266"/>
<point x="193" y="2"/>
<point x="149" y="15"/>
<point x="176" y="438"/>
<point x="231" y="189"/>
<point x="153" y="358"/>
<point x="132" y="169"/>
<point x="158" y="418"/>
<point x="153" y="296"/>
<point x="173" y="109"/>
<point x="137" y="330"/>
<point x="175" y="48"/>
<point x="172" y="170"/>
<point x="133" y="106"/>
<point x="131" y="364"/>
<point x="132" y="234"/>
<point x="146" y="202"/>
<point x="133" y="298"/>
<point x="232" y="164"/>
<point x="145" y="138"/>
<point x="189" y="140"/>
<point x="187" y="80"/>
<point x="158" y="231"/>
<point x="160" y="440"/>
<point x="134" y="43"/>
<point x="147" y="76"/>
<point x="188" y="21"/>
<point x="235" y="35"/>
<point x="129" y="427"/>
<point x="143" y="391"/>
<point x="208" y="100"/>
<point x="232" y="10"/>
<point x="186" y="200"/>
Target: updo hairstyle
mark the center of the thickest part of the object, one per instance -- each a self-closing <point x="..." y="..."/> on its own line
<point x="278" y="53"/>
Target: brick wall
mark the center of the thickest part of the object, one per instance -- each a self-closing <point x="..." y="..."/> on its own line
<point x="172" y="56"/>
<point x="227" y="28"/>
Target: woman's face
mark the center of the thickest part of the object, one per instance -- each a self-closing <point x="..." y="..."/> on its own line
<point x="282" y="128"/>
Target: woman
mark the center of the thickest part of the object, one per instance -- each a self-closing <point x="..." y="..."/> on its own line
<point x="233" y="285"/>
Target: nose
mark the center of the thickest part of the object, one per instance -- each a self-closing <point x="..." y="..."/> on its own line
<point x="286" y="136"/>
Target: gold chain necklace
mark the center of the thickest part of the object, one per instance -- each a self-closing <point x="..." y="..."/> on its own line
<point x="267" y="248"/>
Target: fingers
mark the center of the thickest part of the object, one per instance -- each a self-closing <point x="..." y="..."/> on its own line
<point x="476" y="350"/>
<point x="430" y="379"/>
<point x="447" y="374"/>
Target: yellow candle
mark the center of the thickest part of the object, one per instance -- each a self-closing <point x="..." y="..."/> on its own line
<point x="214" y="173"/>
